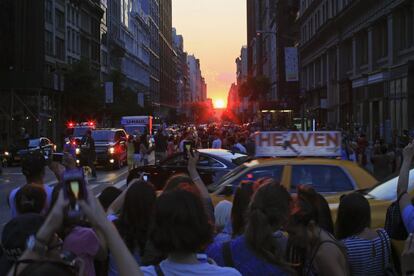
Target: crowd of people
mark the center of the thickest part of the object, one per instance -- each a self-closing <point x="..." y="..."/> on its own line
<point x="265" y="230"/>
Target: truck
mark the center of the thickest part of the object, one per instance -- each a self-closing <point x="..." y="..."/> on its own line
<point x="137" y="125"/>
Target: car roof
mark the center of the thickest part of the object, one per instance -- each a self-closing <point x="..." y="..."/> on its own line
<point x="299" y="161"/>
<point x="108" y="129"/>
<point x="222" y="153"/>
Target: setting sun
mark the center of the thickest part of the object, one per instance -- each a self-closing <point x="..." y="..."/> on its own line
<point x="219" y="103"/>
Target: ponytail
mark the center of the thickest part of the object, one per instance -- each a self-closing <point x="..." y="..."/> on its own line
<point x="268" y="212"/>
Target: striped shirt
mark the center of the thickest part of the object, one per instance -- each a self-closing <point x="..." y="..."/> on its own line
<point x="366" y="257"/>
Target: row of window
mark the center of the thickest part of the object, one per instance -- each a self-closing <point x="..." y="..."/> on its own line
<point x="327" y="9"/>
<point x="54" y="46"/>
<point x="73" y="41"/>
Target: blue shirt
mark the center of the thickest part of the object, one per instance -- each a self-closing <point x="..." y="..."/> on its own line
<point x="245" y="261"/>
<point x="408" y="218"/>
<point x="367" y="257"/>
<point x="170" y="268"/>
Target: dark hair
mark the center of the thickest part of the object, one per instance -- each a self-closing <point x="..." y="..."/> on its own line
<point x="108" y="195"/>
<point x="354" y="215"/>
<point x="30" y="199"/>
<point x="45" y="268"/>
<point x="241" y="201"/>
<point x="311" y="206"/>
<point x="179" y="181"/>
<point x="181" y="223"/>
<point x="268" y="212"/>
<point x="137" y="214"/>
<point x="33" y="167"/>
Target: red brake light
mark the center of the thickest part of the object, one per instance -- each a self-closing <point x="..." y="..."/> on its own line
<point x="71" y="124"/>
<point x="91" y="124"/>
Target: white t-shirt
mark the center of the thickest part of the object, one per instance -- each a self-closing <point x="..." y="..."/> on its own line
<point x="216" y="144"/>
<point x="175" y="269"/>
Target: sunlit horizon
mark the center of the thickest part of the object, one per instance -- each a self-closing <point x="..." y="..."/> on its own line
<point x="203" y="23"/>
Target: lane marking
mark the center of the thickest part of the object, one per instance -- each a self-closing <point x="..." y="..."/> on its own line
<point x="120" y="184"/>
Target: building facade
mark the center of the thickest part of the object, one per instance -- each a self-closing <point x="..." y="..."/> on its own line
<point x="167" y="96"/>
<point x="59" y="32"/>
<point x="272" y="37"/>
<point x="135" y="35"/>
<point x="182" y="75"/>
<point x="357" y="63"/>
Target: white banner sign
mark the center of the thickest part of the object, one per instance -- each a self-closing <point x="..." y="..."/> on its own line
<point x="298" y="143"/>
<point x="291" y="64"/>
<point x="109" y="92"/>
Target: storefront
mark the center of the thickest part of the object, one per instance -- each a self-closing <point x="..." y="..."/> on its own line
<point x="382" y="100"/>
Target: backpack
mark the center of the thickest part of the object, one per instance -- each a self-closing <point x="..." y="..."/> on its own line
<point x="394" y="224"/>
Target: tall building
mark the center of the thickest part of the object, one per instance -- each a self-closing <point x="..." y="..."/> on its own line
<point x="357" y="64"/>
<point x="195" y="79"/>
<point x="241" y="66"/>
<point x="272" y="37"/>
<point x="39" y="39"/>
<point x="135" y="34"/>
<point x="154" y="21"/>
<point x="182" y="75"/>
<point x="167" y="97"/>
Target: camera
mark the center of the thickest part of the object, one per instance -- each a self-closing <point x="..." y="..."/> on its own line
<point x="74" y="189"/>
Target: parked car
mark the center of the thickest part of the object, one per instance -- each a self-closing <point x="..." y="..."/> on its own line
<point x="212" y="165"/>
<point x="110" y="147"/>
<point x="41" y="144"/>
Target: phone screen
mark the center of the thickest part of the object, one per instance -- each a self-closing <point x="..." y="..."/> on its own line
<point x="74" y="186"/>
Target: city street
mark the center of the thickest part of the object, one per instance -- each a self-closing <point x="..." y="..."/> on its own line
<point x="12" y="177"/>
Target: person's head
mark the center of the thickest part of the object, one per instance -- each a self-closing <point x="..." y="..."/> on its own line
<point x="305" y="218"/>
<point x="14" y="236"/>
<point x="180" y="181"/>
<point x="49" y="267"/>
<point x="241" y="201"/>
<point x="130" y="138"/>
<point x="89" y="133"/>
<point x="222" y="214"/>
<point x="33" y="168"/>
<point x="268" y="212"/>
<point x="181" y="224"/>
<point x="108" y="195"/>
<point x="354" y="215"/>
<point x="30" y="199"/>
<point x="137" y="213"/>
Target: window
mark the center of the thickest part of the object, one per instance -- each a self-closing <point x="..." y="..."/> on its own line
<point x="404" y="28"/>
<point x="176" y="161"/>
<point x="362" y="48"/>
<point x="60" y="20"/>
<point x="69" y="40"/>
<point x="104" y="58"/>
<point x="274" y="172"/>
<point x="48" y="43"/>
<point x="85" y="22"/>
<point x="49" y="11"/>
<point x="324" y="179"/>
<point x="85" y="48"/>
<point x="60" y="48"/>
<point x="95" y="49"/>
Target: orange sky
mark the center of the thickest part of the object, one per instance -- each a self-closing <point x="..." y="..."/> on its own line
<point x="213" y="30"/>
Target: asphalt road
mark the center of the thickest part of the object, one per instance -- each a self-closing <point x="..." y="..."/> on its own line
<point x="12" y="178"/>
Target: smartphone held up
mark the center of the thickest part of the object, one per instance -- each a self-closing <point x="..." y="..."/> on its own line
<point x="74" y="188"/>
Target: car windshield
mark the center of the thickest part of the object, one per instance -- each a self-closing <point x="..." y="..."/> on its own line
<point x="134" y="130"/>
<point x="34" y="143"/>
<point x="79" y="131"/>
<point x="103" y="135"/>
<point x="232" y="173"/>
<point x="388" y="189"/>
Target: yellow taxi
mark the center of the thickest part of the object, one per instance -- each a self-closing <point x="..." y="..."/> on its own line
<point x="330" y="177"/>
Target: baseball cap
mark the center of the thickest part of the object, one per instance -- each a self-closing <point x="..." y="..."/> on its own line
<point x="14" y="237"/>
<point x="33" y="163"/>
